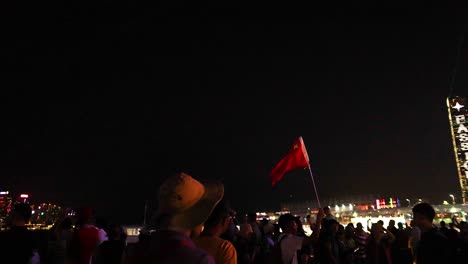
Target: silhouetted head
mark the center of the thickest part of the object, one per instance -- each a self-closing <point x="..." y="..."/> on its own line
<point x="115" y="232"/>
<point x="423" y="214"/>
<point x="359" y="226"/>
<point x="287" y="223"/>
<point x="252" y="217"/>
<point x="85" y="215"/>
<point x="442" y="223"/>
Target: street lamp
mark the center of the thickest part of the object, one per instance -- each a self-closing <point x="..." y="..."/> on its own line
<point x="409" y="202"/>
<point x="453" y="198"/>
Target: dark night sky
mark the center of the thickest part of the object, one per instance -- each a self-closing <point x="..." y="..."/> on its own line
<point x="100" y="103"/>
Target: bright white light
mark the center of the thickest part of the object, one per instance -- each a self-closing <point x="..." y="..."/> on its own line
<point x="458" y="106"/>
<point x="386" y="220"/>
<point x="307" y="230"/>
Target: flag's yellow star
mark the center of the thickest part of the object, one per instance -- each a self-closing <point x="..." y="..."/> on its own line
<point x="296" y="147"/>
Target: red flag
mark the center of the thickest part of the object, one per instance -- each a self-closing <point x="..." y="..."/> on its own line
<point x="295" y="159"/>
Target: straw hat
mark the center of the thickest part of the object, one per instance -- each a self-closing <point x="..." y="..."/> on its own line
<point x="188" y="202"/>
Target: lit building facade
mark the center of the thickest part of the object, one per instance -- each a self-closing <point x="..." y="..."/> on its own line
<point x="43" y="214"/>
<point x="458" y="117"/>
<point x="370" y="209"/>
<point x="351" y="203"/>
<point x="6" y="201"/>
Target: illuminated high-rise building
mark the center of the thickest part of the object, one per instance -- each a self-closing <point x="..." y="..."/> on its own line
<point x="23" y="198"/>
<point x="458" y="116"/>
<point x="6" y="201"/>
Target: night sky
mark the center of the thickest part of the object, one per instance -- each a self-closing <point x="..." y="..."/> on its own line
<point x="100" y="103"/>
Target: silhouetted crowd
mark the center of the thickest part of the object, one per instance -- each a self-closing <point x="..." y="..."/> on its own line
<point x="194" y="224"/>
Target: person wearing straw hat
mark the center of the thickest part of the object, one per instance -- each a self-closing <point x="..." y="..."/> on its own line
<point x="184" y="205"/>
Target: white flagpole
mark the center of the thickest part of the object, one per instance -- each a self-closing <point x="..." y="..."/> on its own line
<point x="315" y="188"/>
<point x="304" y="150"/>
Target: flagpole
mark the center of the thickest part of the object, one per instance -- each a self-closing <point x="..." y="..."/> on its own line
<point x="306" y="155"/>
<point x="315" y="188"/>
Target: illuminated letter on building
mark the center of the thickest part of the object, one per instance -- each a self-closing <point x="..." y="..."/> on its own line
<point x="462" y="128"/>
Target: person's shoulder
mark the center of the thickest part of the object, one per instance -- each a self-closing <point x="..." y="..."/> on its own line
<point x="88" y="228"/>
<point x="435" y="235"/>
<point x="194" y="251"/>
<point x="293" y="239"/>
<point x="226" y="244"/>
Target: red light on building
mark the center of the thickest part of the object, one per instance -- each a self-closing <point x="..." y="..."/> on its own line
<point x="363" y="207"/>
<point x="382" y="204"/>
